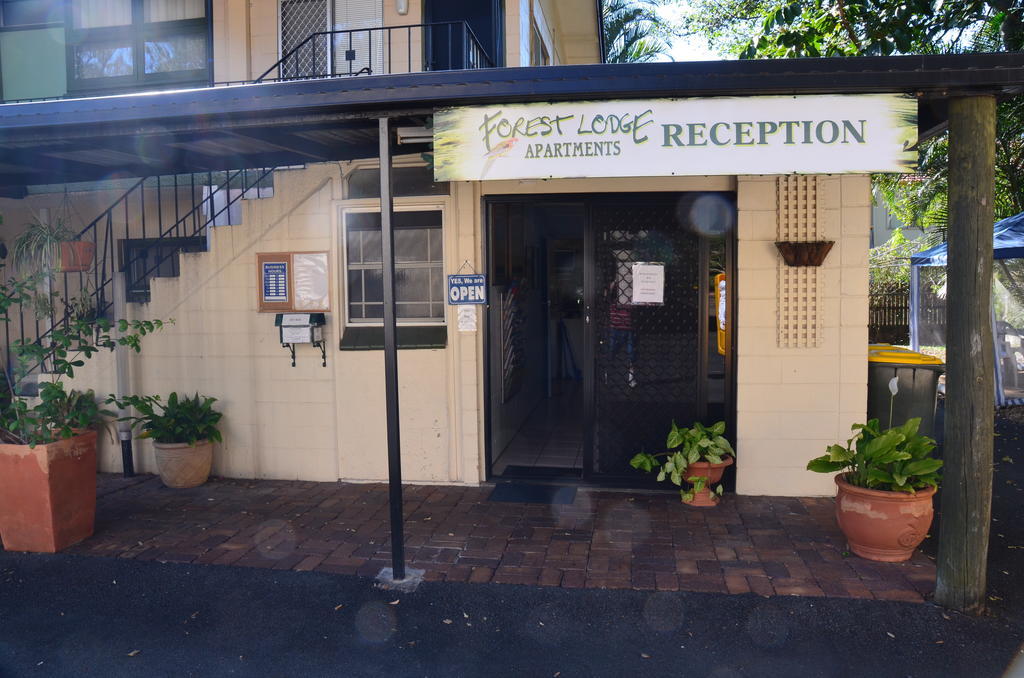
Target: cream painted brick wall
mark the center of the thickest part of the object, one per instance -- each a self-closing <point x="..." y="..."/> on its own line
<point x="304" y="422"/>
<point x="792" y="403"/>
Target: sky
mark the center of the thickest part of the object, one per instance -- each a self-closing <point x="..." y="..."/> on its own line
<point x="684" y="49"/>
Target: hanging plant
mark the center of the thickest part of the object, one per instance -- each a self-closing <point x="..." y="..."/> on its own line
<point x="51" y="246"/>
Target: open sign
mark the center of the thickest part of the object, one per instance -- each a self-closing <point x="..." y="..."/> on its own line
<point x="467" y="289"/>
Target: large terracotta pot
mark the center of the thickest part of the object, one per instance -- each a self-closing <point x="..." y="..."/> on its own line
<point x="48" y="494"/>
<point x="883" y="525"/>
<point x="76" y="256"/>
<point x="182" y="465"/>
<point x="705" y="498"/>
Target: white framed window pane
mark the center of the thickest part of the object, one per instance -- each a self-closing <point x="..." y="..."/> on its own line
<point x="412" y="284"/>
<point x="419" y="279"/>
<point x="176" y="53"/>
<point x="373" y="284"/>
<point x="172" y="10"/>
<point x="103" y="60"/>
<point x="436" y="283"/>
<point x="436" y="245"/>
<point x="361" y="50"/>
<point x="353" y="247"/>
<point x="416" y="311"/>
<point x="411" y="244"/>
<point x="355" y="286"/>
<point x="371" y="247"/>
<point x="101" y="13"/>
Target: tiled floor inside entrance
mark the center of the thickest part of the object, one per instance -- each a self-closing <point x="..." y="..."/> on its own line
<point x="551" y="437"/>
<point x="764" y="545"/>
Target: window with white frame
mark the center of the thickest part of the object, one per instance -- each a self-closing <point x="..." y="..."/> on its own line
<point x="419" y="279"/>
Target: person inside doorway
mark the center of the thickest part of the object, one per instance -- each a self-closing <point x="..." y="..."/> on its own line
<point x="620" y="320"/>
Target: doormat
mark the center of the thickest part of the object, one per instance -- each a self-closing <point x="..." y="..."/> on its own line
<point x="543" y="471"/>
<point x="519" y="493"/>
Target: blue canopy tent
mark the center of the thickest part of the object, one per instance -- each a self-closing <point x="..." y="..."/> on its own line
<point x="1007" y="243"/>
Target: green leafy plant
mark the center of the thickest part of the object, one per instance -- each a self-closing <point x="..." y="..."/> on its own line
<point x="687" y="446"/>
<point x="898" y="459"/>
<point x="187" y="419"/>
<point x="64" y="349"/>
<point x="59" y="414"/>
<point x="37" y="248"/>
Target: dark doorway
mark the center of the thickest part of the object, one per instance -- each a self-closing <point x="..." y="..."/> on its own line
<point x="536" y="330"/>
<point x="448" y="48"/>
<point x="585" y="366"/>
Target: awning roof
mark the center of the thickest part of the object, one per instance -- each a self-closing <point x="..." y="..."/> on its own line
<point x="1007" y="243"/>
<point x="284" y="123"/>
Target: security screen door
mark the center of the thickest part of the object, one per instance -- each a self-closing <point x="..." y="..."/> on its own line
<point x="646" y="356"/>
<point x="644" y="360"/>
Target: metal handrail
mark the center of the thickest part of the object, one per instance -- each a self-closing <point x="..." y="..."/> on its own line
<point x="173" y="223"/>
<point x="350" y="42"/>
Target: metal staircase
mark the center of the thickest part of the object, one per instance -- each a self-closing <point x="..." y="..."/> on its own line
<point x="139" y="235"/>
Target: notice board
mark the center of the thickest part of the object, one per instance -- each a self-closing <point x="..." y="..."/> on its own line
<point x="293" y="282"/>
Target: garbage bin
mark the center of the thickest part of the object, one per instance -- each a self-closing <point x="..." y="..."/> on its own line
<point x="918" y="378"/>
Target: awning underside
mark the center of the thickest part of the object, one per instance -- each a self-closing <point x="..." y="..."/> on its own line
<point x="291" y="123"/>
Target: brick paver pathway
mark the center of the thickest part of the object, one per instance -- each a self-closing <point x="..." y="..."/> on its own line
<point x="765" y="545"/>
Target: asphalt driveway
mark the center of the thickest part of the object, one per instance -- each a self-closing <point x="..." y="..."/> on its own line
<point x="80" y="616"/>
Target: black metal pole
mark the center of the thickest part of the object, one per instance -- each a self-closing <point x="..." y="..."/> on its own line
<point x="387" y="209"/>
<point x="127" y="457"/>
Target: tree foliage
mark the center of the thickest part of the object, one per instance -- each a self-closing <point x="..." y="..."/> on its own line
<point x="824" y="28"/>
<point x="634" y="31"/>
<point x="811" y="28"/>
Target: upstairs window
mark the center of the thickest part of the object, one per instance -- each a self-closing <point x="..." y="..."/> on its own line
<point x="127" y="44"/>
<point x="539" y="55"/>
<point x="30" y="13"/>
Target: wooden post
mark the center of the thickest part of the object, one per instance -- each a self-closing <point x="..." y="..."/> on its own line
<point x="970" y="378"/>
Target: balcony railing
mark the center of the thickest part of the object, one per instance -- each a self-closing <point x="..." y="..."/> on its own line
<point x="385" y="50"/>
<point x="445" y="46"/>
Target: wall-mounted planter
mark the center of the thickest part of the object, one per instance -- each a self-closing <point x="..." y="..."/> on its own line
<point x="804" y="253"/>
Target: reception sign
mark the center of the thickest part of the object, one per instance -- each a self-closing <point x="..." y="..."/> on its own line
<point x="820" y="134"/>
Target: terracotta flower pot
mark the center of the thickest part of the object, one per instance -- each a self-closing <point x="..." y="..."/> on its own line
<point x="882" y="525"/>
<point x="48" y="494"/>
<point x="706" y="498"/>
<point x="182" y="465"/>
<point x="76" y="256"/>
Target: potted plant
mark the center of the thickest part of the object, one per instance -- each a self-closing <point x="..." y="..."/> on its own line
<point x="886" y="482"/>
<point x="183" y="431"/>
<point x="51" y="245"/>
<point x="48" y="449"/>
<point x="699" y="455"/>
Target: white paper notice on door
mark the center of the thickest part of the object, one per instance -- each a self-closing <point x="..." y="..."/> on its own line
<point x="648" y="283"/>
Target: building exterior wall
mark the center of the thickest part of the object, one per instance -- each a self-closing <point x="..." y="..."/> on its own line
<point x="306" y="422"/>
<point x="316" y="423"/>
<point x="793" y="402"/>
<point x="246" y="42"/>
<point x="569" y="28"/>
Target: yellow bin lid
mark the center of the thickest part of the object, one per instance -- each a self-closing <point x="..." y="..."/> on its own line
<point x="885" y="353"/>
